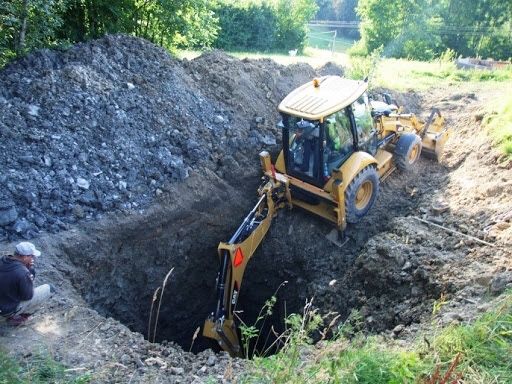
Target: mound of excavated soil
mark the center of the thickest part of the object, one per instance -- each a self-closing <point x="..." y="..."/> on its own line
<point x="109" y="124"/>
<point x="117" y="125"/>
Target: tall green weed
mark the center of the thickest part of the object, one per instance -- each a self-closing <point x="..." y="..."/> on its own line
<point x="37" y="369"/>
<point x="499" y="122"/>
<point x="476" y="353"/>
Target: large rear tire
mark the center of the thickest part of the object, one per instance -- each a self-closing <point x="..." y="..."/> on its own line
<point x="361" y="194"/>
<point x="407" y="151"/>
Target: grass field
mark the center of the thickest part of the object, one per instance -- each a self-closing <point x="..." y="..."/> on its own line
<point x="402" y="74"/>
<point x="323" y="38"/>
<point x="499" y="121"/>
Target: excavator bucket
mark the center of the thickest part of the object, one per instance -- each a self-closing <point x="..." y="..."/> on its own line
<point x="434" y="135"/>
<point x="225" y="333"/>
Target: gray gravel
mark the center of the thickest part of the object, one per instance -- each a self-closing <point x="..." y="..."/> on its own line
<point x="108" y="125"/>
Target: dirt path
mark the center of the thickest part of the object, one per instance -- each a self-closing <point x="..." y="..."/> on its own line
<point x="391" y="270"/>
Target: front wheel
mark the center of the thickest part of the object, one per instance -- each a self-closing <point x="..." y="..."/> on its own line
<point x="361" y="194"/>
<point x="407" y="151"/>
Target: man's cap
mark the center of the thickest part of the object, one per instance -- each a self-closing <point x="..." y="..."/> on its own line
<point x="302" y="124"/>
<point x="27" y="249"/>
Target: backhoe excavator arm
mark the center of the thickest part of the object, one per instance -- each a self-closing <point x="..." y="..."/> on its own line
<point x="234" y="256"/>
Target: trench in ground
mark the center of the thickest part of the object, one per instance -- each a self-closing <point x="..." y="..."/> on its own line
<point x="121" y="267"/>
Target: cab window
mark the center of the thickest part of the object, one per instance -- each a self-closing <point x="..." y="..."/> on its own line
<point x="304" y="138"/>
<point x="363" y="119"/>
<point x="339" y="142"/>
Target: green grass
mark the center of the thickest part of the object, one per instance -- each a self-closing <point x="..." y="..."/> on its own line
<point x="477" y="353"/>
<point x="312" y="56"/>
<point x="485" y="346"/>
<point x="499" y="121"/>
<point x="322" y="38"/>
<point x="402" y="74"/>
<point x="36" y="369"/>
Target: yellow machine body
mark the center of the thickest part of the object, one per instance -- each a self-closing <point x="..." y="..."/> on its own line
<point x="336" y="182"/>
<point x="322" y="97"/>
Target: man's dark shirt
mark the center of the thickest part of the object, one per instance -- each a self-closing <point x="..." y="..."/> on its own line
<point x="15" y="284"/>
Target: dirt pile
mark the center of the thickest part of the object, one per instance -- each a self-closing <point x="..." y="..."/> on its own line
<point x="248" y="87"/>
<point x="108" y="125"/>
<point x="118" y="125"/>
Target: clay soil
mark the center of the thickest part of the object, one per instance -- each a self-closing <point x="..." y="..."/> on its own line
<point x="106" y="256"/>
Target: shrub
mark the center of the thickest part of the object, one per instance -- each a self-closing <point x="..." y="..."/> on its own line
<point x="263" y="26"/>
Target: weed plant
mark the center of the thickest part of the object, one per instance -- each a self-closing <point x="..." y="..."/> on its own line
<point x="362" y="67"/>
<point x="471" y="353"/>
<point x="37" y="369"/>
<point x="499" y="121"/>
<point x="485" y="346"/>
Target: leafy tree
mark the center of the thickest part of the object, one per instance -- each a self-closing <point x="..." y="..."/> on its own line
<point x="423" y="29"/>
<point x="325" y="10"/>
<point x="478" y="28"/>
<point x="382" y="21"/>
<point x="246" y="26"/>
<point x="175" y="23"/>
<point x="292" y="19"/>
<point x="264" y="25"/>
<point x="28" y="24"/>
<point x="345" y="9"/>
<point x="90" y="19"/>
<point x="199" y="24"/>
<point x="170" y="23"/>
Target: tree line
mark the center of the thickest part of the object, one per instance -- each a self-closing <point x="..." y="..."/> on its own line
<point x="246" y="24"/>
<point x="30" y="24"/>
<point x="426" y="29"/>
<point x="419" y="29"/>
<point x="272" y="25"/>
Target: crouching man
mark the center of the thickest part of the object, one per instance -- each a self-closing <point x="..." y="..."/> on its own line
<point x="18" y="297"/>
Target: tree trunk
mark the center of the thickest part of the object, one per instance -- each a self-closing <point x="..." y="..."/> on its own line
<point x="148" y="15"/>
<point x="20" y="46"/>
<point x="138" y="17"/>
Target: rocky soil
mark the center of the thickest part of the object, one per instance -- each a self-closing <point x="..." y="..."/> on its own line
<point x="108" y="125"/>
<point x="121" y="163"/>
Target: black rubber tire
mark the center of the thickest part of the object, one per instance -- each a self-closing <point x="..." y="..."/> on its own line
<point x="355" y="210"/>
<point x="407" y="151"/>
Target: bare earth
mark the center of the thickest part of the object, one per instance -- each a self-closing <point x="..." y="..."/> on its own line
<point x="392" y="269"/>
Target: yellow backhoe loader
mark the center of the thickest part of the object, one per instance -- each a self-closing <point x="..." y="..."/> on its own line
<point x="337" y="146"/>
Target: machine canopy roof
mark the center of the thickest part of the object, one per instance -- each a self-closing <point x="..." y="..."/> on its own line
<point x="321" y="97"/>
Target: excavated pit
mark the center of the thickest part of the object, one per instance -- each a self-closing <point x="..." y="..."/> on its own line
<point x="122" y="263"/>
<point x="121" y="260"/>
<point x="121" y="110"/>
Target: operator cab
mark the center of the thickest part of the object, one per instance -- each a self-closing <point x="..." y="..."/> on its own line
<point x="313" y="148"/>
